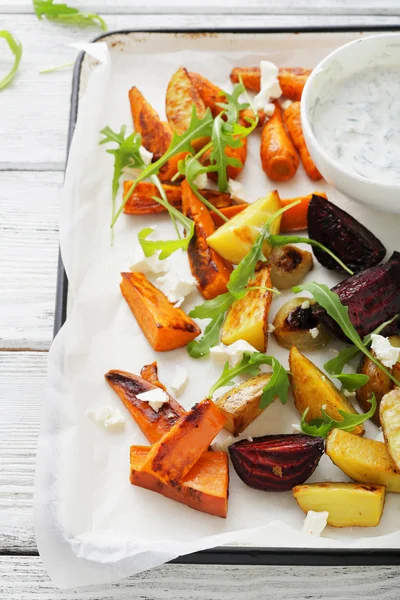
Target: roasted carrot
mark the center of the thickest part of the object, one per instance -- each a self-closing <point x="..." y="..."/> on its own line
<point x="248" y="113"/>
<point x="292" y="120"/>
<point x="228" y="212"/>
<point x="278" y="156"/>
<point x="204" y="488"/>
<point x="153" y="424"/>
<point x="141" y="200"/>
<point x="150" y="374"/>
<point x="165" y="327"/>
<point x="295" y="218"/>
<point x="172" y="457"/>
<point x="210" y="93"/>
<point x="210" y="270"/>
<point x="291" y="79"/>
<point x="181" y="96"/>
<point x="156" y="134"/>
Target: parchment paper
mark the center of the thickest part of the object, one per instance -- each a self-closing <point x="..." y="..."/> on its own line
<point x="92" y="526"/>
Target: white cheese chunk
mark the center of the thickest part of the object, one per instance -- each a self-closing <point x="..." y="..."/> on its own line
<point x="107" y="417"/>
<point x="314" y="332"/>
<point x="176" y="286"/>
<point x="145" y="155"/>
<point x="224" y="445"/>
<point x="269" y="87"/>
<point x="305" y="305"/>
<point x="201" y="181"/>
<point x="270" y="328"/>
<point x="385" y="352"/>
<point x="156" y="398"/>
<point x="233" y="353"/>
<point x="179" y="381"/>
<point x="219" y="354"/>
<point x="147" y="265"/>
<point x="315" y="522"/>
<point x="236" y="190"/>
<point x="285" y="103"/>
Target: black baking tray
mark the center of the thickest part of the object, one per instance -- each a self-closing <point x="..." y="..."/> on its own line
<point x="237" y="555"/>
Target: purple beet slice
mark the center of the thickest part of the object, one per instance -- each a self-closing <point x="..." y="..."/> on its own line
<point x="276" y="463"/>
<point x="353" y="243"/>
<point x="372" y="297"/>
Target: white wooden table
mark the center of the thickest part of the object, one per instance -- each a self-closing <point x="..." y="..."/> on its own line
<point x="33" y="130"/>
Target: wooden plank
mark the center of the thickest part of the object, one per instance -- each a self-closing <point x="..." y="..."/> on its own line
<point x="24" y="577"/>
<point x="29" y="207"/>
<point x="349" y="7"/>
<point x="37" y="106"/>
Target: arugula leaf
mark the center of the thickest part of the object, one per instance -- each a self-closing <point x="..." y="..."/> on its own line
<point x="250" y="364"/>
<point x="330" y="301"/>
<point x="197" y="349"/>
<point x="210" y="309"/>
<point x="66" y="14"/>
<point x="16" y="48"/>
<point x="352" y="381"/>
<point x="221" y="138"/>
<point x="321" y="427"/>
<point x="233" y="105"/>
<point x="282" y="240"/>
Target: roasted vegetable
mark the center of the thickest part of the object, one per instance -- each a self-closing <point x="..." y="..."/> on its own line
<point x="240" y="405"/>
<point x="295" y="218"/>
<point x="289" y="266"/>
<point x="172" y="457"/>
<point x="165" y="327"/>
<point x="153" y="424"/>
<point x="150" y="374"/>
<point x="229" y="212"/>
<point x="279" y="158"/>
<point x="291" y="79"/>
<point x="204" y="488"/>
<point x="141" y="201"/>
<point x="363" y="460"/>
<point x="348" y="504"/>
<point x="292" y="119"/>
<point x="232" y="172"/>
<point x="314" y="390"/>
<point x="235" y="238"/>
<point x="181" y="96"/>
<point x="275" y="463"/>
<point x="210" y="93"/>
<point x="379" y="383"/>
<point x="372" y="297"/>
<point x="247" y="318"/>
<point x="293" y="324"/>
<point x="389" y="412"/>
<point x="210" y="270"/>
<point x="350" y="241"/>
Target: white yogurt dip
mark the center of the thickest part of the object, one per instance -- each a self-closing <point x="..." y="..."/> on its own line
<point x="357" y="121"/>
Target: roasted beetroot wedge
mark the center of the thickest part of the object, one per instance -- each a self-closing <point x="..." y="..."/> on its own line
<point x="276" y="463"/>
<point x="372" y="296"/>
<point x="353" y="243"/>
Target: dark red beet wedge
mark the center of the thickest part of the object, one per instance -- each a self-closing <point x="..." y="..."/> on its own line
<point x="372" y="296"/>
<point x="353" y="243"/>
<point x="276" y="463"/>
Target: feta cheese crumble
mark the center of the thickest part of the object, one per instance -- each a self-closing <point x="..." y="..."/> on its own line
<point x="179" y="381"/>
<point x="270" y="328"/>
<point x="233" y="353"/>
<point x="145" y="155"/>
<point x="156" y="398"/>
<point x="147" y="265"/>
<point x="285" y="103"/>
<point x="305" y="305"/>
<point x="176" y="286"/>
<point x="315" y="522"/>
<point x="236" y="190"/>
<point x="269" y="88"/>
<point x="107" y="417"/>
<point x="314" y="332"/>
<point x="385" y="352"/>
<point x="224" y="445"/>
<point x="201" y="181"/>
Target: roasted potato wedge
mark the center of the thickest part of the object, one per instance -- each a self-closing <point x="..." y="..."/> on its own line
<point x="379" y="383"/>
<point x="389" y="412"/>
<point x="362" y="459"/>
<point x="156" y="135"/>
<point x="182" y="96"/>
<point x="247" y="319"/>
<point x="210" y="93"/>
<point x="296" y="326"/>
<point x="289" y="266"/>
<point x="240" y="405"/>
<point x="235" y="238"/>
<point x="313" y="390"/>
<point x="348" y="504"/>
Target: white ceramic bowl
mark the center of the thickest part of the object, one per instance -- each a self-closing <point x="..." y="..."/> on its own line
<point x="347" y="60"/>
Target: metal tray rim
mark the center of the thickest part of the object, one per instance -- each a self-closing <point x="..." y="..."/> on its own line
<point x="237" y="555"/>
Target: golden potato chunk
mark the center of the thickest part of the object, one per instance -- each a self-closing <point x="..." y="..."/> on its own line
<point x="389" y="412"/>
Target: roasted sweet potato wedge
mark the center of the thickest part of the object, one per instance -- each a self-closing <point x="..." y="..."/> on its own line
<point x="204" y="488"/>
<point x="210" y="93"/>
<point x="141" y="201"/>
<point x="150" y="374"/>
<point x="172" y="457"/>
<point x="291" y="79"/>
<point x="165" y="327"/>
<point x="247" y="318"/>
<point x="210" y="270"/>
<point x="153" y="424"/>
<point x="182" y="95"/>
<point x="228" y="212"/>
